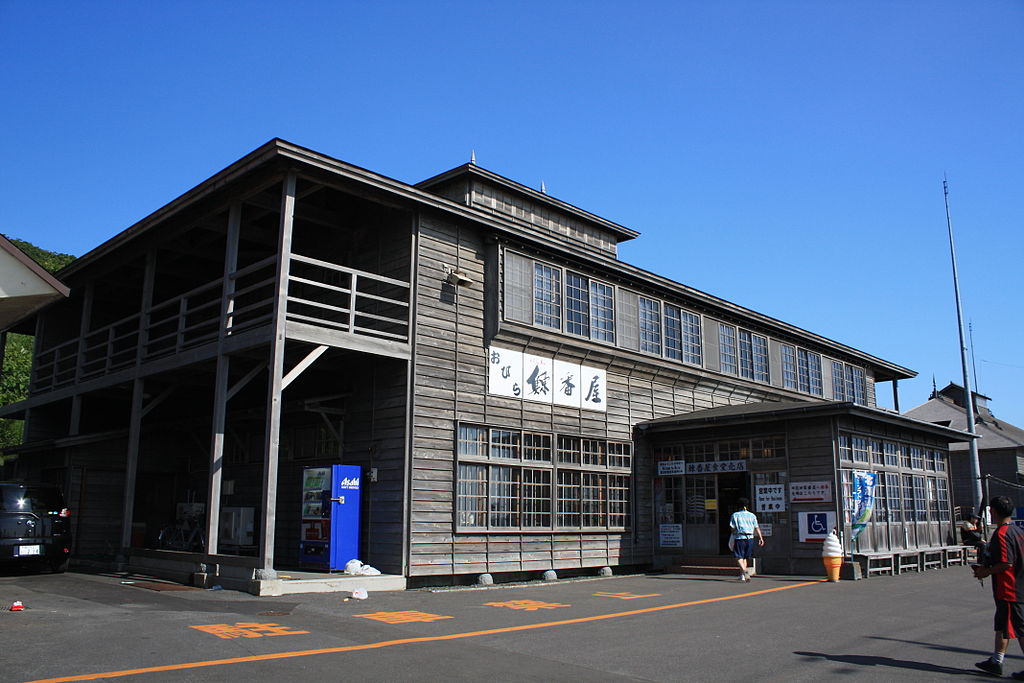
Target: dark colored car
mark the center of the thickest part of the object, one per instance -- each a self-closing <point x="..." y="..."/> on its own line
<point x="35" y="527"/>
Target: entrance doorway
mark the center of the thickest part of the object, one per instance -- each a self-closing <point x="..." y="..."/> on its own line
<point x="731" y="487"/>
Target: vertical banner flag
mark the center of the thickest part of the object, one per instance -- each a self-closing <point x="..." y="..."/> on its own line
<point x="863" y="500"/>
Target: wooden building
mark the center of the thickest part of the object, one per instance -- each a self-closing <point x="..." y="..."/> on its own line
<point x="474" y="345"/>
<point x="1000" y="446"/>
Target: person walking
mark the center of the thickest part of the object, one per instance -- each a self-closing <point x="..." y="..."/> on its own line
<point x="1004" y="562"/>
<point x="744" y="525"/>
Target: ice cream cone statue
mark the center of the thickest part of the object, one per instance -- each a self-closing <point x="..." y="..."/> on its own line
<point x="832" y="555"/>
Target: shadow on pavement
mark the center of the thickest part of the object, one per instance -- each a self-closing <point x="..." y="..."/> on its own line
<point x="871" y="660"/>
<point x="974" y="652"/>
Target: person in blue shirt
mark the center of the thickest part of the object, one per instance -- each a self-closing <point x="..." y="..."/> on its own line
<point x="744" y="527"/>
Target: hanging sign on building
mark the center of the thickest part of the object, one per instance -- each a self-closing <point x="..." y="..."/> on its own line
<point x="716" y="466"/>
<point x="515" y="374"/>
<point x="769" y="497"/>
<point x="810" y="492"/>
<point x="668" y="468"/>
<point x="670" y="535"/>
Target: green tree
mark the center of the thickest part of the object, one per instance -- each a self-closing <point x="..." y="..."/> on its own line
<point x="18" y="352"/>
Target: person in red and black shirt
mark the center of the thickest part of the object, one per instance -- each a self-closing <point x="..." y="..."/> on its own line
<point x="1004" y="562"/>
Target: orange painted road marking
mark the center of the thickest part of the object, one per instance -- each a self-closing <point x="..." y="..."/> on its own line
<point x="407" y="641"/>
<point x="625" y="596"/>
<point x="401" y="617"/>
<point x="245" y="629"/>
<point x="528" y="605"/>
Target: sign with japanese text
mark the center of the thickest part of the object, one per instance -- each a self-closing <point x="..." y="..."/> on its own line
<point x="766" y="529"/>
<point x="668" y="468"/>
<point x="670" y="535"/>
<point x="716" y="466"/>
<point x="526" y="376"/>
<point x="810" y="492"/>
<point x="769" y="497"/>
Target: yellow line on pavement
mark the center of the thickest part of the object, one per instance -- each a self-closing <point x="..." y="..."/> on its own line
<point x="406" y="641"/>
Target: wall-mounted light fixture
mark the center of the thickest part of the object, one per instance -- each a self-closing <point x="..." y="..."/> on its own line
<point x="456" y="278"/>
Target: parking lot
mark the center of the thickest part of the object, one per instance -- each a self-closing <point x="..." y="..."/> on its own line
<point x="924" y="626"/>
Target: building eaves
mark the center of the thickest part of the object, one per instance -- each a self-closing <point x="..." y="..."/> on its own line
<point x="25" y="289"/>
<point x="750" y="413"/>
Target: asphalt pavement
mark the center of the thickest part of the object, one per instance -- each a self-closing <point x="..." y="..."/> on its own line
<point x="926" y="626"/>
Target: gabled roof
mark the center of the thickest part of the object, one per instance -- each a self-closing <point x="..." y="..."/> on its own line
<point x="993" y="433"/>
<point x="773" y="411"/>
<point x="471" y="170"/>
<point x="25" y="286"/>
<point x="278" y="154"/>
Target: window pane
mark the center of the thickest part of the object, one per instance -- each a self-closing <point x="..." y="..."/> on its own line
<point x="593" y="452"/>
<point x="618" y="501"/>
<point x="594" y="500"/>
<point x="547" y="296"/>
<point x="789" y="377"/>
<point x="760" y="361"/>
<point x="838" y="382"/>
<point x="569" y="482"/>
<point x="619" y="454"/>
<point x="569" y="450"/>
<point x="537" y="447"/>
<point x="650" y="325"/>
<point x="472" y="496"/>
<point x="810" y="373"/>
<point x="504" y="492"/>
<point x="472" y="440"/>
<point x="673" y="333"/>
<point x="577" y="305"/>
<point x="602" y="312"/>
<point x="536" y="498"/>
<point x="692" y="342"/>
<point x="728" y="354"/>
<point x="504" y="444"/>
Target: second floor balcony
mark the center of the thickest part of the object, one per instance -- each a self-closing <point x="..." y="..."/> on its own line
<point x="323" y="303"/>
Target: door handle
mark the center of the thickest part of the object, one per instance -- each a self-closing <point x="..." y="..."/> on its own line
<point x="339" y="499"/>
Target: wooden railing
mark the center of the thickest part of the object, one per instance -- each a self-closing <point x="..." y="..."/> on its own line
<point x="320" y="293"/>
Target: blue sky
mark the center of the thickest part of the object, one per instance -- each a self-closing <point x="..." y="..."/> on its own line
<point x="786" y="156"/>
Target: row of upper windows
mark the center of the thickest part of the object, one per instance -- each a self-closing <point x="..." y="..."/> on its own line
<point x="556" y="298"/>
<point x="861" y="449"/>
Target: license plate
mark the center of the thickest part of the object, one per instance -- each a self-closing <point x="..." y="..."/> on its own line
<point x="25" y="550"/>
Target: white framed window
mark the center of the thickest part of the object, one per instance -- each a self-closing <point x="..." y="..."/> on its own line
<point x="512" y="479"/>
<point x="743" y="353"/>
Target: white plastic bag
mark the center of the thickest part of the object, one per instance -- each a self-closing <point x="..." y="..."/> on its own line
<point x="367" y="570"/>
<point x="353" y="567"/>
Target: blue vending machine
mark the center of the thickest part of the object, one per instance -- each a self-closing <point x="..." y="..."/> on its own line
<point x="330" y="516"/>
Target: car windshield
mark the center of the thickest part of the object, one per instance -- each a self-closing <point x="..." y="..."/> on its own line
<point x="37" y="499"/>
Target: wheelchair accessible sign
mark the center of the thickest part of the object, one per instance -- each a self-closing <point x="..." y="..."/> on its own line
<point x="814" y="526"/>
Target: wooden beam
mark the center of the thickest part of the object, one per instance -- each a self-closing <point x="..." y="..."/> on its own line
<point x="240" y="384"/>
<point x="301" y="366"/>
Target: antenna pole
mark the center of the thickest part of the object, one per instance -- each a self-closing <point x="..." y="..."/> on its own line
<point x="968" y="394"/>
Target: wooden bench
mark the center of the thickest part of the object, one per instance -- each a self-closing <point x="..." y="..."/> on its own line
<point x="932" y="558"/>
<point x="956" y="555"/>
<point x="878" y="563"/>
<point x="907" y="560"/>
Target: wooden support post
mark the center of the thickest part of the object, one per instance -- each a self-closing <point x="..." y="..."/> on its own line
<point x="131" y="466"/>
<point x="220" y="389"/>
<point x="273" y="431"/>
<point x="146" y="308"/>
